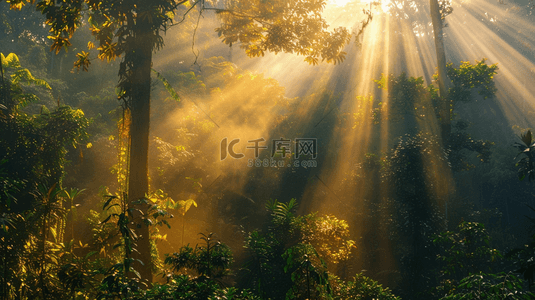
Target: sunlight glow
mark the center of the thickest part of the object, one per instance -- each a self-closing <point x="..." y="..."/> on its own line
<point x="339" y="2"/>
<point x="390" y="45"/>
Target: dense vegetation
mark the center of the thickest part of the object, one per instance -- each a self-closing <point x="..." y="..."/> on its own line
<point x="70" y="228"/>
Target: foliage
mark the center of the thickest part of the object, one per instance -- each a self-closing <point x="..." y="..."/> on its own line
<point x="102" y="108"/>
<point x="36" y="250"/>
<point x="330" y="237"/>
<point x="466" y="250"/>
<point x="413" y="177"/>
<point x="526" y="165"/>
<point x="285" y="260"/>
<point x="523" y="257"/>
<point x="460" y="142"/>
<point x="33" y="156"/>
<point x="199" y="271"/>
<point x="406" y="95"/>
<point x="524" y="261"/>
<point x="181" y="287"/>
<point x="14" y="96"/>
<point x="116" y="281"/>
<point x="416" y="12"/>
<point x="78" y="274"/>
<point x="489" y="286"/>
<point x="122" y="278"/>
<point x="468" y="271"/>
<point x="134" y="32"/>
<point x="280" y="26"/>
<point x="210" y="261"/>
<point x="410" y="102"/>
<point x="34" y="147"/>
<point x="182" y="206"/>
<point x="468" y="77"/>
<point x="22" y="28"/>
<point x="368" y="109"/>
<point x="119" y="279"/>
<point x="308" y="272"/>
<point x="361" y="288"/>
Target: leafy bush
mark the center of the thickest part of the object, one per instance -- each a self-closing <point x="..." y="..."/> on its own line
<point x="361" y="288"/>
<point x="210" y="261"/>
<point x="288" y="261"/>
<point x="466" y="253"/>
<point x="181" y="287"/>
<point x="489" y="286"/>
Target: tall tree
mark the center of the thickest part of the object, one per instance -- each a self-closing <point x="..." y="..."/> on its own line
<point x="443" y="80"/>
<point x="132" y="29"/>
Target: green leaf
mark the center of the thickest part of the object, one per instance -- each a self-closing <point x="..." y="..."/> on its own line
<point x="167" y="86"/>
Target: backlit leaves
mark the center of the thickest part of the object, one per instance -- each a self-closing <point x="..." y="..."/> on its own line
<point x="311" y="60"/>
<point x="83" y="61"/>
<point x="472" y="76"/>
<point x="185" y="205"/>
<point x="20" y="75"/>
<point x="10" y="61"/>
<point x="58" y="43"/>
<point x="24" y="75"/>
<point x="282" y="26"/>
<point x="107" y="51"/>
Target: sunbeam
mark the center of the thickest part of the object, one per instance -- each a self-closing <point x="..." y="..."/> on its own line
<point x="310" y="142"/>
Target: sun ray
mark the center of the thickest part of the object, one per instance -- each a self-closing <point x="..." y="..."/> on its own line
<point x="334" y="102"/>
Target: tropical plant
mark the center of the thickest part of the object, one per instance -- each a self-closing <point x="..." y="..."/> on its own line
<point x="79" y="274"/>
<point x="183" y="207"/>
<point x="523" y="256"/>
<point x="524" y="261"/>
<point x="33" y="155"/>
<point x="526" y="150"/>
<point x="69" y="195"/>
<point x="118" y="280"/>
<point x="288" y="260"/>
<point x="489" y="286"/>
<point x="181" y="287"/>
<point x="308" y="272"/>
<point x="210" y="261"/>
<point x="471" y="269"/>
<point x="122" y="278"/>
<point x="466" y="250"/>
<point x="34" y="147"/>
<point x="361" y="288"/>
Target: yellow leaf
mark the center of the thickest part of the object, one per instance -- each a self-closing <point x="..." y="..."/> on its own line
<point x="16" y="6"/>
<point x="170" y="15"/>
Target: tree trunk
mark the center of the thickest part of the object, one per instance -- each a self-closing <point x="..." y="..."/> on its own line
<point x="443" y="81"/>
<point x="138" y="182"/>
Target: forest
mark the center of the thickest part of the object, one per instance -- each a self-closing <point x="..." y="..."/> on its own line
<point x="267" y="149"/>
